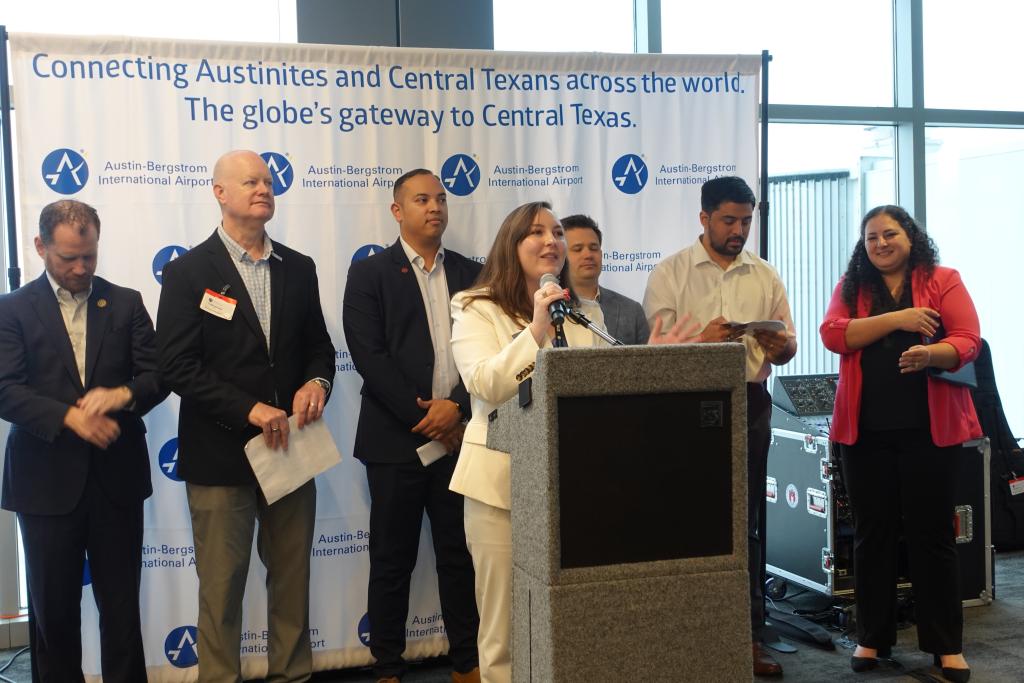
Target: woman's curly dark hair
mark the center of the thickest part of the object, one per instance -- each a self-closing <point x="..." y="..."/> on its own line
<point x="861" y="273"/>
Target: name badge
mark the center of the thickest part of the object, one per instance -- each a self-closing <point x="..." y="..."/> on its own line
<point x="218" y="304"/>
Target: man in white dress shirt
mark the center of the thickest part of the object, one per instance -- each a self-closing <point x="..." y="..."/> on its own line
<point x="717" y="281"/>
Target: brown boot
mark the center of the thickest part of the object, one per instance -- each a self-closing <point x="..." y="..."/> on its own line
<point x="468" y="677"/>
<point x="764" y="663"/>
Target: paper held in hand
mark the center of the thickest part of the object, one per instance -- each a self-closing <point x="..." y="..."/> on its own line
<point x="311" y="450"/>
<point x="754" y="326"/>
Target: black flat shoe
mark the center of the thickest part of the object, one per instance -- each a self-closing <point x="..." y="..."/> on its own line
<point x="862" y="664"/>
<point x="951" y="674"/>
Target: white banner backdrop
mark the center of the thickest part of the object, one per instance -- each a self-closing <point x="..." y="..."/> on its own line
<point x="134" y="126"/>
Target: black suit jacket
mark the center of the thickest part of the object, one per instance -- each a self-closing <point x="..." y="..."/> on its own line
<point x="388" y="337"/>
<point x="221" y="368"/>
<point x="46" y="464"/>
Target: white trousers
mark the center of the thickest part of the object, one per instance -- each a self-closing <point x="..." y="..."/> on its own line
<point x="489" y="537"/>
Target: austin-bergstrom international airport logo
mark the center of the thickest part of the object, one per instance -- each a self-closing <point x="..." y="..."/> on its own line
<point x="460" y="174"/>
<point x="364" y="630"/>
<point x="163" y="257"/>
<point x="629" y="174"/>
<point x="366" y="251"/>
<point x="65" y="171"/>
<point x="281" y="171"/>
<point x="168" y="459"/>
<point x="181" y="648"/>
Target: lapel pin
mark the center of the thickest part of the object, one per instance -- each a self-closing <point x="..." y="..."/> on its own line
<point x="101" y="303"/>
<point x="405" y="269"/>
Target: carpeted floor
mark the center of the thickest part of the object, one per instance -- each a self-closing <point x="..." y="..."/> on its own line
<point x="993" y="638"/>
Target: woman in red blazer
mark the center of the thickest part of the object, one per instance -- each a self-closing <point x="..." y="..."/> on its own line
<point x="897" y="318"/>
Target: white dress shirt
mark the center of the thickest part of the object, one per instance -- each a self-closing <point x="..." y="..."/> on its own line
<point x="437" y="303"/>
<point x="74" y="308"/>
<point x="749" y="289"/>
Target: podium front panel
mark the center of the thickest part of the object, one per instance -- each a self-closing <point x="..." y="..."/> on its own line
<point x="644" y="477"/>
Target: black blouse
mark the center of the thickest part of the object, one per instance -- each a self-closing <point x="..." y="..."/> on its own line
<point x="890" y="399"/>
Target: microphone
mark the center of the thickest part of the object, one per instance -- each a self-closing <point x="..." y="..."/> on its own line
<point x="557" y="309"/>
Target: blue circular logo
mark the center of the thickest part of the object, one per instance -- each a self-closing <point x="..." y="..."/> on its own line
<point x="163" y="257"/>
<point x="460" y="174"/>
<point x="180" y="647"/>
<point x="364" y="630"/>
<point x="629" y="174"/>
<point x="280" y="171"/>
<point x="65" y="171"/>
<point x="86" y="573"/>
<point x="168" y="459"/>
<point x="366" y="251"/>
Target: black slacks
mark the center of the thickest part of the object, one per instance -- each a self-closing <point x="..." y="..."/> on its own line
<point x="56" y="547"/>
<point x="899" y="481"/>
<point x="759" y="438"/>
<point x="399" y="493"/>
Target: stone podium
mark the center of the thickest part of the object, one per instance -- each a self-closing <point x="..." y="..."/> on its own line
<point x="629" y="515"/>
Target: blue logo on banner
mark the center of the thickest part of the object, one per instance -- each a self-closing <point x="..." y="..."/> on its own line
<point x="364" y="630"/>
<point x="168" y="459"/>
<point x="65" y="171"/>
<point x="460" y="174"/>
<point x="86" y="573"/>
<point x="180" y="647"/>
<point x="366" y="251"/>
<point x="163" y="257"/>
<point x="280" y="171"/>
<point x="629" y="174"/>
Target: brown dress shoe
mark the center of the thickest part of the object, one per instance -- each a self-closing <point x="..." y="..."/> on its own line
<point x="389" y="679"/>
<point x="764" y="663"/>
<point x="468" y="677"/>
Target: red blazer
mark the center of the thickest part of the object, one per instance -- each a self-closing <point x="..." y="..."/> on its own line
<point x="950" y="407"/>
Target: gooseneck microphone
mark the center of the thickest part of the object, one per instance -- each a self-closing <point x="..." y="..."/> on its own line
<point x="556" y="309"/>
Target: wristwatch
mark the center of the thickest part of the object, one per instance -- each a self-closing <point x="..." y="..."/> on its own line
<point x="323" y="384"/>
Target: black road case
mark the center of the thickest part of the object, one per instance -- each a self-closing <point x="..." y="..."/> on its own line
<point x="809" y="525"/>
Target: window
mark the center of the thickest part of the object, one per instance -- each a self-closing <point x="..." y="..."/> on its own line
<point x="821" y="180"/>
<point x="972" y="55"/>
<point x="974" y="179"/>
<point x="822" y="52"/>
<point x="267" y="21"/>
<point x="563" y="26"/>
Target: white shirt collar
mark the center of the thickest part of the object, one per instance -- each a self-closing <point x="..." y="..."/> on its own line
<point x="415" y="258"/>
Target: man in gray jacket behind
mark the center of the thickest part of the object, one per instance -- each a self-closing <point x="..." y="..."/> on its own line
<point x="623" y="318"/>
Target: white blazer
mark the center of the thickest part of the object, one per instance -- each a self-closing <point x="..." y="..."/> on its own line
<point x="494" y="353"/>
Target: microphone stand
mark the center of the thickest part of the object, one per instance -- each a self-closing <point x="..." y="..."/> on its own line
<point x="581" y="319"/>
<point x="559" y="342"/>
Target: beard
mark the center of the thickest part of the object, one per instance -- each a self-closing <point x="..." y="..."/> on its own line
<point x="729" y="247"/>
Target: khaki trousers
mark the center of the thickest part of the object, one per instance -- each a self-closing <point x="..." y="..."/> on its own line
<point x="223" y="521"/>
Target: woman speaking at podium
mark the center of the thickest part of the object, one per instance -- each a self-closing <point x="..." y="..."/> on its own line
<point x="497" y="329"/>
<point x="898" y="319"/>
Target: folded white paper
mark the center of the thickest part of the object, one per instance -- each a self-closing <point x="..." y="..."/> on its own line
<point x="311" y="450"/>
<point x="431" y="451"/>
<point x="754" y="326"/>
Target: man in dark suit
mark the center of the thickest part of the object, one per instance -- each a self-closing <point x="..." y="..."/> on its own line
<point x="623" y="318"/>
<point x="242" y="340"/>
<point x="397" y="324"/>
<point x="77" y="373"/>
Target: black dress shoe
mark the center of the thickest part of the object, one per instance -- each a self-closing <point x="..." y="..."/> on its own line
<point x="862" y="664"/>
<point x="764" y="663"/>
<point x="951" y="674"/>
